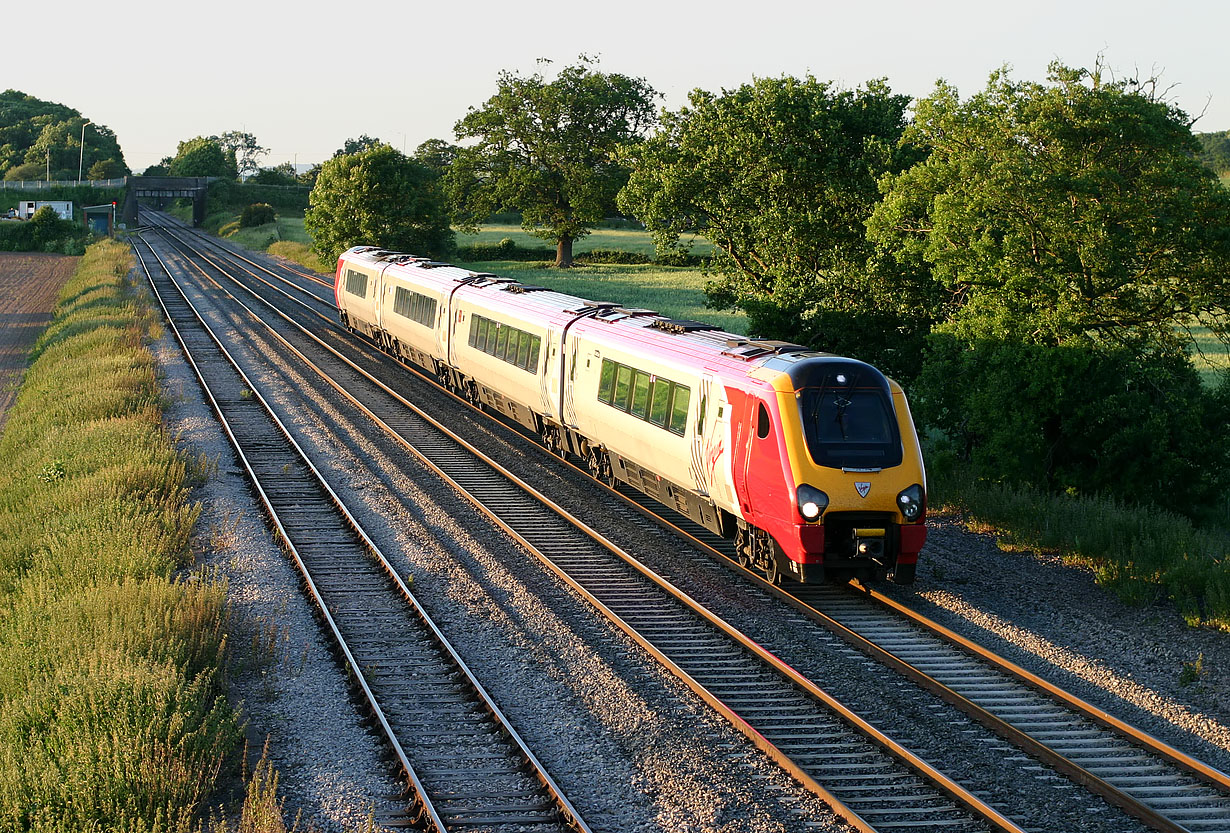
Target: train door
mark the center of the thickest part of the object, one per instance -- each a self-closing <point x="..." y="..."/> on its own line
<point x="549" y="378"/>
<point x="742" y="408"/>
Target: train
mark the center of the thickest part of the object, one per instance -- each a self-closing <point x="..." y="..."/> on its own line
<point x="808" y="461"/>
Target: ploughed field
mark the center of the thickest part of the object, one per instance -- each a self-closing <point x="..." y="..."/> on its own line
<point x="29" y="284"/>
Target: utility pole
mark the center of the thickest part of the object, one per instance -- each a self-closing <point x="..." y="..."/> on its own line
<point x="81" y="154"/>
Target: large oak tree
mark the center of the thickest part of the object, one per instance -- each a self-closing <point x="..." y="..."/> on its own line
<point x="549" y="149"/>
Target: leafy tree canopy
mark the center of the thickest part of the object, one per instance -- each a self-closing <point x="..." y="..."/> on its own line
<point x="780" y="174"/>
<point x="33" y="131"/>
<point x="549" y="149"/>
<point x="1215" y="151"/>
<point x="283" y="174"/>
<point x="352" y="146"/>
<point x="377" y="197"/>
<point x="1070" y="212"/>
<point x="436" y="154"/>
<point x="203" y="156"/>
<point x="245" y="150"/>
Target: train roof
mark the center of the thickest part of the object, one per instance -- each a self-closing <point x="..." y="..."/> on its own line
<point x="696" y="340"/>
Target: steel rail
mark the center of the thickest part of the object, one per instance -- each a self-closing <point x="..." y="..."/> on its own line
<point x="896" y="750"/>
<point x="1202" y="771"/>
<point x="571" y="817"/>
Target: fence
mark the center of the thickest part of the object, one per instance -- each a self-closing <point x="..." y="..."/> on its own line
<point x="39" y="184"/>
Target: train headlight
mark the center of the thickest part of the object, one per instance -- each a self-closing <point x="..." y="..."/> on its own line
<point x="812" y="502"/>
<point x="910" y="502"/>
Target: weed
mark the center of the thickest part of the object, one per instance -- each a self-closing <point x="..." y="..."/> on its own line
<point x="1192" y="671"/>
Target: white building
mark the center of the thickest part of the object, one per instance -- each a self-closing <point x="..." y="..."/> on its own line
<point x="26" y="208"/>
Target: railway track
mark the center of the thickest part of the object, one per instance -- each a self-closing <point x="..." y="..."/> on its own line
<point x="465" y="766"/>
<point x="1165" y="789"/>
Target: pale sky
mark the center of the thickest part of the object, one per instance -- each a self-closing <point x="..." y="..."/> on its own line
<point x="303" y="77"/>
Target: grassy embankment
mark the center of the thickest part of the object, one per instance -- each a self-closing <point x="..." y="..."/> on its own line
<point x="112" y="714"/>
<point x="1138" y="552"/>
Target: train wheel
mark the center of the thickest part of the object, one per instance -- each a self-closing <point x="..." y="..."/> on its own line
<point x="772" y="571"/>
<point x="743" y="548"/>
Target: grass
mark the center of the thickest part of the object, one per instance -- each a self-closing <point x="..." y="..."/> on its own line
<point x="674" y="291"/>
<point x="111" y="706"/>
<point x="628" y="240"/>
<point x="1140" y="553"/>
<point x="1211" y="356"/>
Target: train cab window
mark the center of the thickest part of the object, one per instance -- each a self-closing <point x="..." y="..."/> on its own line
<point x="640" y="394"/>
<point x="848" y="419"/>
<point x="623" y="386"/>
<point x="356" y="283"/>
<point x="679" y="409"/>
<point x="660" y="402"/>
<point x="606" y="383"/>
<point x="763" y="424"/>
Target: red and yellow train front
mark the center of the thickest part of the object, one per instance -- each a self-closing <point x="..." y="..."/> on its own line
<point x="832" y="469"/>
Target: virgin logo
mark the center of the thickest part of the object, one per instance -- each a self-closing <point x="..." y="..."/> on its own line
<point x="863" y="489"/>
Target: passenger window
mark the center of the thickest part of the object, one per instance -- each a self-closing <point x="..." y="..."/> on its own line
<point x="606" y="383"/>
<point x="661" y="402"/>
<point x="640" y="394"/>
<point x="679" y="409"/>
<point x="623" y="385"/>
<point x="762" y="421"/>
<point x="523" y="349"/>
<point x="501" y="342"/>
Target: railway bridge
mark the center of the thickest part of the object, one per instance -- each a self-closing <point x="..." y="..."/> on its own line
<point x="162" y="188"/>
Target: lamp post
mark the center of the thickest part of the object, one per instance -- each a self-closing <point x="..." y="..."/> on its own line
<point x="81" y="155"/>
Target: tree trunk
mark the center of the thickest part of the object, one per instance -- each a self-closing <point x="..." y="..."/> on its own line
<point x="563" y="253"/>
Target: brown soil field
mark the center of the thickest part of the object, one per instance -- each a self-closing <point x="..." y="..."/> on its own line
<point x="29" y="286"/>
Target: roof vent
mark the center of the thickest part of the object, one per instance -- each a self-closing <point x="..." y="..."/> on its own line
<point x="522" y="288"/>
<point x="680" y="325"/>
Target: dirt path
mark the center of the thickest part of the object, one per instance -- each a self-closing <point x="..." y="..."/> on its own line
<point x="29" y="285"/>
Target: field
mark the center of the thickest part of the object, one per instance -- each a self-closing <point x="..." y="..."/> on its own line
<point x="628" y="240"/>
<point x="677" y="292"/>
<point x="1211" y="357"/>
<point x="29" y="284"/>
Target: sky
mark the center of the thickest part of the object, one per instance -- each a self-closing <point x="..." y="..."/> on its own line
<point x="304" y="77"/>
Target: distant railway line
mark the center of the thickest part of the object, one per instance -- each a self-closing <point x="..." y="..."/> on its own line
<point x="873" y="781"/>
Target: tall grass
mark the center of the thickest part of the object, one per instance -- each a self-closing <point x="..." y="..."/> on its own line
<point x="1141" y="553"/>
<point x="112" y="713"/>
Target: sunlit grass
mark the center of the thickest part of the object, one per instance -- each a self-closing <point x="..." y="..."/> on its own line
<point x="111" y="707"/>
<point x="1211" y="356"/>
<point x="672" y="291"/>
<point x="628" y="240"/>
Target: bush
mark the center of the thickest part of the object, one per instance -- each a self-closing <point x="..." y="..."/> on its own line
<point x="257" y="214"/>
<point x="615" y="256"/>
<point x="506" y="249"/>
<point x="44" y="232"/>
<point x="1138" y="426"/>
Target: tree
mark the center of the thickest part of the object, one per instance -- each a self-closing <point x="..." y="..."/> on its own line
<point x="106" y="169"/>
<point x="780" y="174"/>
<point x="549" y="150"/>
<point x="1215" y="151"/>
<point x="244" y="149"/>
<point x="1062" y="213"/>
<point x="377" y="197"/>
<point x="30" y="129"/>
<point x="353" y="146"/>
<point x="283" y="174"/>
<point x="202" y="156"/>
<point x="436" y="154"/>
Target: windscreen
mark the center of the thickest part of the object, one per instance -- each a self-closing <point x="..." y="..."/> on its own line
<point x="848" y="418"/>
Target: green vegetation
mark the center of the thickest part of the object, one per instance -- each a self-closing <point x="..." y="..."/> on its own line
<point x="44" y="232"/>
<point x="789" y="236"/>
<point x="550" y="150"/>
<point x="624" y="240"/>
<point x="257" y="214"/>
<point x="381" y="197"/>
<point x="38" y="138"/>
<point x="112" y="713"/>
<point x="1140" y="554"/>
<point x="677" y="292"/>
